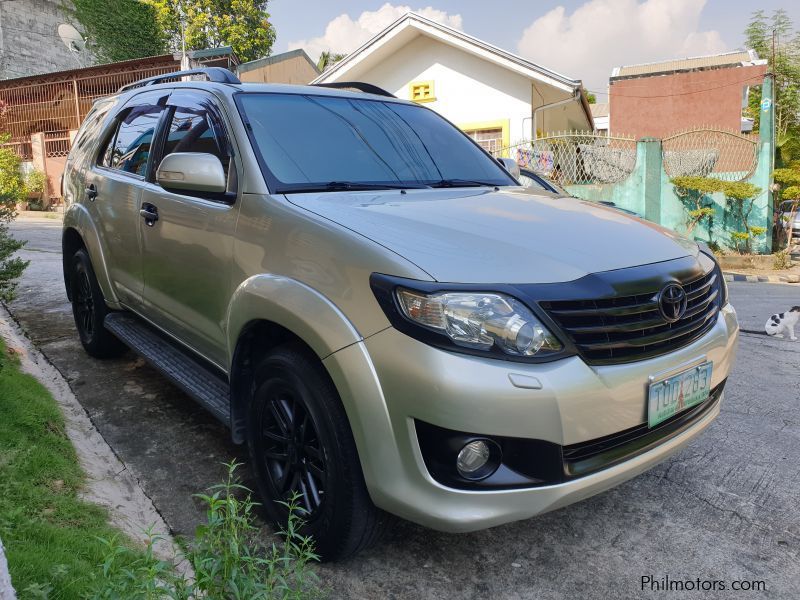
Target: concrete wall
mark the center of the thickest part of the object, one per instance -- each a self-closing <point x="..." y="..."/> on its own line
<point x="468" y="90"/>
<point x="29" y="42"/>
<point x="294" y="70"/>
<point x="660" y="105"/>
<point x="649" y="192"/>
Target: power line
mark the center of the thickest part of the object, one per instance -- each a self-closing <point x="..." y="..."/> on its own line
<point x="753" y="78"/>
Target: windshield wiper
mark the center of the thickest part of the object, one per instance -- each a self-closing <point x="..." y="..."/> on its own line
<point x="337" y="186"/>
<point x="448" y="183"/>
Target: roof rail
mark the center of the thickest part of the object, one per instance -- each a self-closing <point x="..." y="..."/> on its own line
<point x="367" y="88"/>
<point x="215" y="74"/>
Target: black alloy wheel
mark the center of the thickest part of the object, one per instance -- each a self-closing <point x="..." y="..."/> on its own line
<point x="89" y="309"/>
<point x="301" y="446"/>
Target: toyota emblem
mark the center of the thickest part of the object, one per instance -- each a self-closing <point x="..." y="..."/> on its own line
<point x="672" y="302"/>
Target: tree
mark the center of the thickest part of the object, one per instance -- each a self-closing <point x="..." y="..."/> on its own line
<point x="327" y="59"/>
<point x="784" y="63"/>
<point x="128" y="31"/>
<point x="12" y="191"/>
<point x="242" y="24"/>
<point x="591" y="98"/>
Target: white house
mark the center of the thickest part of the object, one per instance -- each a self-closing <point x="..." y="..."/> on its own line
<point x="497" y="97"/>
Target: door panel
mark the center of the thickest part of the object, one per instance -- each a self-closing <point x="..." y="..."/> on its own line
<point x="187" y="252"/>
<point x="113" y="191"/>
<point x="186" y="258"/>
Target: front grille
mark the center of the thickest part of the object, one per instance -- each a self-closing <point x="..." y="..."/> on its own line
<point x="629" y="328"/>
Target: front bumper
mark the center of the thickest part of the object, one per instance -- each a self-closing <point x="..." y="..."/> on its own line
<point x="390" y="380"/>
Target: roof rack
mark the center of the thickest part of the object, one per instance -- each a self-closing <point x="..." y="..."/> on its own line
<point x="367" y="88"/>
<point x="215" y="74"/>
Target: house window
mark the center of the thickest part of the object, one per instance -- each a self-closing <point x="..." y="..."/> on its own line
<point x="421" y="91"/>
<point x="490" y="140"/>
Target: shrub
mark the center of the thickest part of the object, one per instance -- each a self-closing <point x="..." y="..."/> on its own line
<point x="227" y="559"/>
<point x="12" y="191"/>
<point x="781" y="260"/>
<point x="36" y="182"/>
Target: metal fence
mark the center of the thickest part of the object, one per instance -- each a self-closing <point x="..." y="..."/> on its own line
<point x="577" y="157"/>
<point x="708" y="152"/>
<point x="59" y="106"/>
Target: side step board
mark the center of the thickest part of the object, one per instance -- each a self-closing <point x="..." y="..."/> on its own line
<point x="199" y="381"/>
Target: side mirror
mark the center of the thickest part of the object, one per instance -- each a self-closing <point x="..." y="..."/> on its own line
<point x="510" y="165"/>
<point x="192" y="171"/>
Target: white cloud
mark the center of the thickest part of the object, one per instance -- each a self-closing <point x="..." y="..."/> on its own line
<point x="343" y="34"/>
<point x="602" y="34"/>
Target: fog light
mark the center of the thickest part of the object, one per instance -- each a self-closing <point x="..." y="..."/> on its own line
<point x="472" y="457"/>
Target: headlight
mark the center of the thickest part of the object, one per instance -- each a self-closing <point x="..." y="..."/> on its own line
<point x="723" y="285"/>
<point x="480" y="321"/>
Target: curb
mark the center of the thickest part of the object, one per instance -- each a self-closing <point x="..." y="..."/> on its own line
<point x="6" y="591"/>
<point x="109" y="483"/>
<point x="761" y="278"/>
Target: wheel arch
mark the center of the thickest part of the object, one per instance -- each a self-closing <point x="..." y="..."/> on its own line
<point x="71" y="242"/>
<point x="79" y="231"/>
<point x="267" y="311"/>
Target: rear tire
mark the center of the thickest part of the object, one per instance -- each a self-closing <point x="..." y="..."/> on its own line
<point x="90" y="310"/>
<point x="300" y="440"/>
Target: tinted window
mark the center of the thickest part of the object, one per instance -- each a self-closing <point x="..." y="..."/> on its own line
<point x="196" y="130"/>
<point x="130" y="148"/>
<point x="306" y="140"/>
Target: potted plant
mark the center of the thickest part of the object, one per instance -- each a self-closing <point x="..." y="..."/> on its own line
<point x="36" y="186"/>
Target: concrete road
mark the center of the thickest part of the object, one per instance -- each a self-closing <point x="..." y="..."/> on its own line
<point x="725" y="509"/>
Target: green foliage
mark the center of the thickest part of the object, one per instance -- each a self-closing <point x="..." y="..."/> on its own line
<point x="242" y="24"/>
<point x="327" y="59"/>
<point x="785" y="64"/>
<point x="740" y="197"/>
<point x="781" y="260"/>
<point x="787" y="176"/>
<point x="227" y="560"/>
<point x="49" y="533"/>
<point x="740" y="190"/>
<point x="791" y="193"/>
<point x="12" y="191"/>
<point x="126" y="31"/>
<point x="703" y="185"/>
<point x="591" y="98"/>
<point x="36" y="182"/>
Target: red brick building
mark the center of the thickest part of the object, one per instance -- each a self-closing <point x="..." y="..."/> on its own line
<point x="659" y="99"/>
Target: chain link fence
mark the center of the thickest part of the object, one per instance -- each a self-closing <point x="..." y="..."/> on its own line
<point x="710" y="153"/>
<point x="577" y="157"/>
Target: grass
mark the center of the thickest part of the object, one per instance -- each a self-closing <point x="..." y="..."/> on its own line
<point x="61" y="547"/>
<point x="51" y="536"/>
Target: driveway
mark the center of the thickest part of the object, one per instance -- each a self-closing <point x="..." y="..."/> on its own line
<point x="725" y="509"/>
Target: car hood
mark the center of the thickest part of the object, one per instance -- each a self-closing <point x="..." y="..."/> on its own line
<point x="510" y="235"/>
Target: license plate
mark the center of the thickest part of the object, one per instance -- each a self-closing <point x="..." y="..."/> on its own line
<point x="672" y="395"/>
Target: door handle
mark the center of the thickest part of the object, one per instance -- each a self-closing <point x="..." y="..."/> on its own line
<point x="149" y="213"/>
<point x="91" y="192"/>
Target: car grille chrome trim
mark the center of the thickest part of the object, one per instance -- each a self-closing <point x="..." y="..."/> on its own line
<point x="625" y="329"/>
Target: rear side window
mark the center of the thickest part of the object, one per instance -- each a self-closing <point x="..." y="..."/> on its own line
<point x="129" y="148"/>
<point x="195" y="129"/>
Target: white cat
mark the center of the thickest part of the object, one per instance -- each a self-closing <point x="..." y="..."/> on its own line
<point x="783" y="322"/>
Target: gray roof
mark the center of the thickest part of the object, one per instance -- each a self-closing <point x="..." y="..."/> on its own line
<point x="714" y="61"/>
<point x="599" y="110"/>
<point x="276" y="58"/>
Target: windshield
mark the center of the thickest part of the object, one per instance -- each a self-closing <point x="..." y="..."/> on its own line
<point x="317" y="143"/>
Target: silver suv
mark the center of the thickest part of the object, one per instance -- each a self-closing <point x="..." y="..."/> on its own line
<point x="376" y="307"/>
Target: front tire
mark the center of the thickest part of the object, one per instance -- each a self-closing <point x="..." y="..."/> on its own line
<point x="300" y="442"/>
<point x="89" y="309"/>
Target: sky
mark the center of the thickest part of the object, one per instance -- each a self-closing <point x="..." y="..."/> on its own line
<point x="580" y="39"/>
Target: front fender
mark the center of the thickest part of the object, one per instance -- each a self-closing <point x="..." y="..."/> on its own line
<point x="77" y="217"/>
<point x="293" y="305"/>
